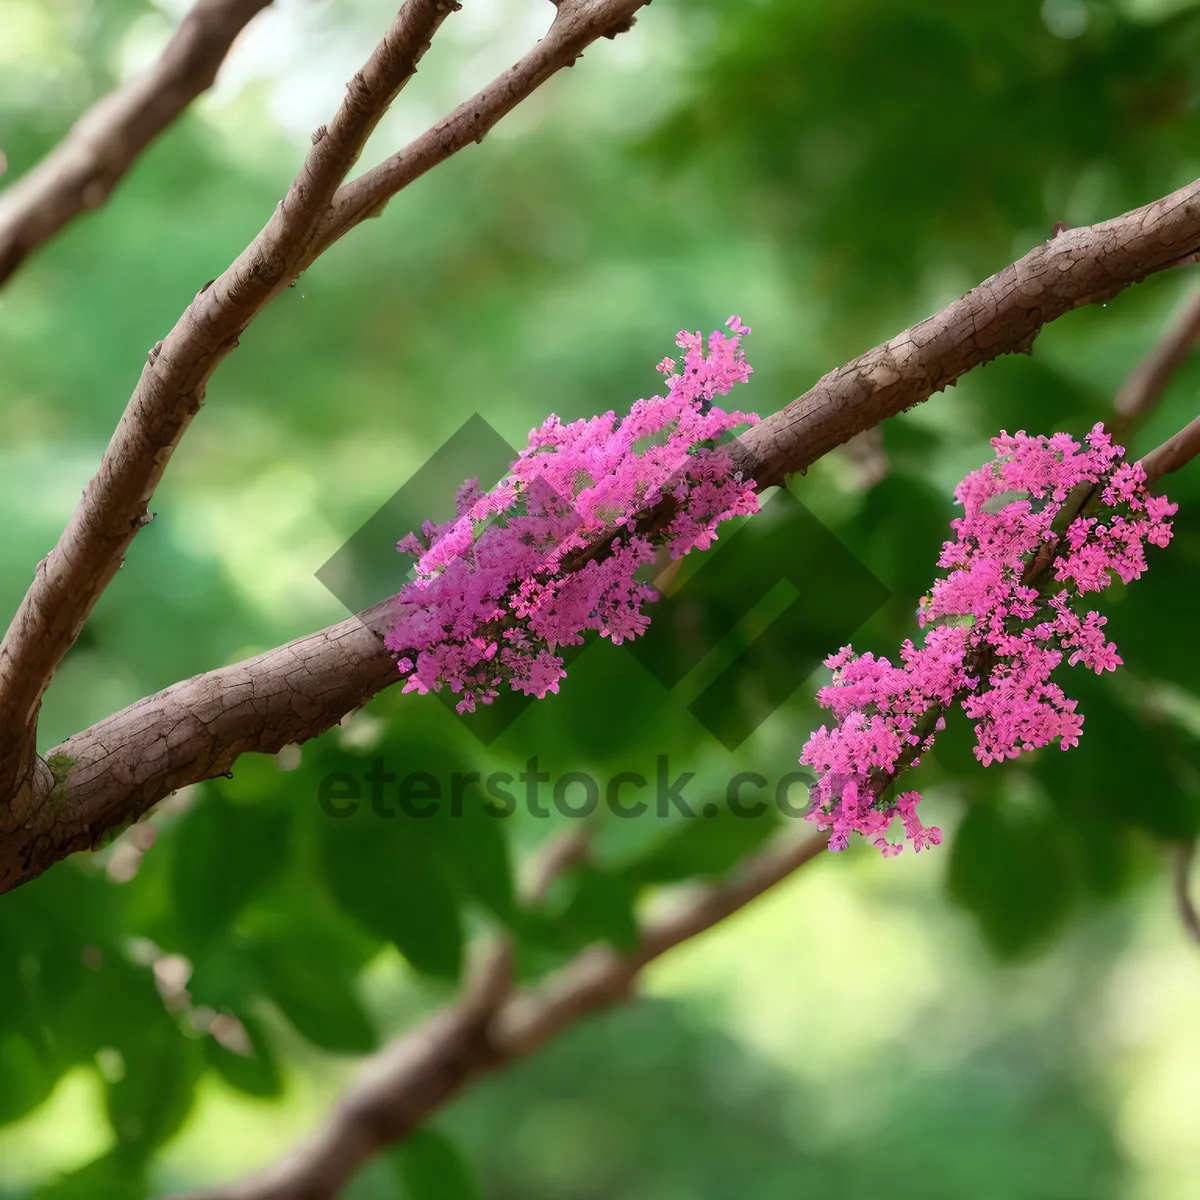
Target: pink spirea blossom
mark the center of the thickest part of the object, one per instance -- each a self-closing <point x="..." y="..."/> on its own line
<point x="996" y="626"/>
<point x="555" y="549"/>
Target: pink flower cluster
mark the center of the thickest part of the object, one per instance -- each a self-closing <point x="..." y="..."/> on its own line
<point x="996" y="627"/>
<point x="556" y="549"/>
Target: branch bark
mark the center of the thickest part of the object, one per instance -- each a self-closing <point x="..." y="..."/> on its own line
<point x="117" y="769"/>
<point x="82" y="170"/>
<point x="490" y="1027"/>
<point x="70" y="580"/>
<point x="1146" y="383"/>
<point x="1002" y="315"/>
<point x="1174" y="453"/>
<point x="418" y="1074"/>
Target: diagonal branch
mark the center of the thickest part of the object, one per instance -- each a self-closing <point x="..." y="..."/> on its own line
<point x="417" y="1075"/>
<point x="577" y="24"/>
<point x="81" y="171"/>
<point x="70" y="580"/>
<point x="196" y="729"/>
<point x="120" y="767"/>
<point x="1174" y="453"/>
<point x="1146" y="383"/>
<point x="1002" y="315"/>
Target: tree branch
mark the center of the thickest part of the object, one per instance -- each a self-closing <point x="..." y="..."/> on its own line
<point x="81" y="171"/>
<point x="577" y="24"/>
<point x="70" y="580"/>
<point x="1146" y="383"/>
<point x="120" y="767"/>
<point x="1003" y="315"/>
<point x="1174" y="453"/>
<point x="414" y="1077"/>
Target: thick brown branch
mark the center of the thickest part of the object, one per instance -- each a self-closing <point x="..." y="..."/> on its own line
<point x="101" y="797"/>
<point x="1003" y="315"/>
<point x="413" y="1078"/>
<point x="81" y="171"/>
<point x="70" y="580"/>
<point x="118" y="769"/>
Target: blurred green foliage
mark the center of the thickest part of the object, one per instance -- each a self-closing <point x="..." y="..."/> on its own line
<point x="832" y="171"/>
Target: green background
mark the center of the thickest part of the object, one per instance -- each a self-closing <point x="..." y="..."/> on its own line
<point x="1008" y="1017"/>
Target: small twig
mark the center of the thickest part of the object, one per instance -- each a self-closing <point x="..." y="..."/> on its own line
<point x="556" y="856"/>
<point x="82" y="170"/>
<point x="577" y="24"/>
<point x="1147" y="382"/>
<point x="73" y="576"/>
<point x="1174" y="453"/>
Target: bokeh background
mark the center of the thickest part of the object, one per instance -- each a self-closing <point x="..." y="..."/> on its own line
<point x="1008" y="1017"/>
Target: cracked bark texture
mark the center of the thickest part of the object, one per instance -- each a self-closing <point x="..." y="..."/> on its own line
<point x="48" y="817"/>
<point x="841" y="405"/>
<point x="1002" y="315"/>
<point x="118" y="769"/>
<point x="69" y="581"/>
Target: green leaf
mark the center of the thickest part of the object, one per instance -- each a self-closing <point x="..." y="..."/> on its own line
<point x="115" y="1006"/>
<point x="386" y="874"/>
<point x="473" y="846"/>
<point x="998" y="503"/>
<point x="307" y="957"/>
<point x="224" y="855"/>
<point x="1105" y="855"/>
<point x="148" y="1104"/>
<point x="601" y="908"/>
<point x="46" y="926"/>
<point x="954" y="747"/>
<point x="225" y="976"/>
<point x="430" y="1166"/>
<point x="315" y="992"/>
<point x="1125" y="770"/>
<point x="27" y="1077"/>
<point x="107" y="1178"/>
<point x="1015" y="873"/>
<point x="256" y="1074"/>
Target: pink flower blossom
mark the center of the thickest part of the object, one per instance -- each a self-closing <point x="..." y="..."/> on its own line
<point x="992" y="638"/>
<point x="554" y="549"/>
